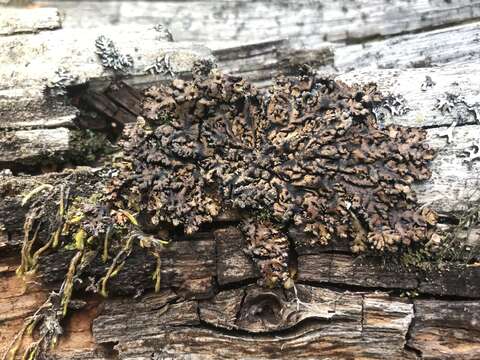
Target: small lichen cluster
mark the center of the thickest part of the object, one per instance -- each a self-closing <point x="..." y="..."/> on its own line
<point x="111" y="56"/>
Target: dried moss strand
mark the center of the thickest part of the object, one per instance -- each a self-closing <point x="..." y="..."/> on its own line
<point x="68" y="282"/>
<point x="61" y="215"/>
<point x="12" y="349"/>
<point x="35" y="191"/>
<point x="26" y="259"/>
<point x="115" y="266"/>
<point x="44" y="248"/>
<point x="106" y="240"/>
<point x="32" y="351"/>
<point x="157" y="275"/>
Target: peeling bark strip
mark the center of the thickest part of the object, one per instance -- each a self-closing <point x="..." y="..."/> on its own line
<point x="14" y="21"/>
<point x="307" y="22"/>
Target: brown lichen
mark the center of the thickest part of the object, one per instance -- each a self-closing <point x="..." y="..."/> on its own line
<point x="309" y="150"/>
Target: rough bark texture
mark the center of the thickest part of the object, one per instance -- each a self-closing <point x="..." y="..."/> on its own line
<point x="209" y="306"/>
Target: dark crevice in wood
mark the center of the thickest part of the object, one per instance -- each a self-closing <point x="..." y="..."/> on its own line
<point x="348" y="287"/>
<point x="25" y="169"/>
<point x="363" y="315"/>
<point x="377" y="37"/>
<point x="236" y="285"/>
<point x="443" y="126"/>
<point x="108" y="350"/>
<point x="292" y="256"/>
<point x="396" y="292"/>
<point x="304" y="327"/>
<point x="449" y="298"/>
<point x="240" y="307"/>
<point x="408" y="336"/>
<point x="205" y="228"/>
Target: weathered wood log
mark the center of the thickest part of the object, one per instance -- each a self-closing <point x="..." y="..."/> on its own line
<point x="209" y="305"/>
<point x="34" y="146"/>
<point x="307" y="22"/>
<point x="15" y="21"/>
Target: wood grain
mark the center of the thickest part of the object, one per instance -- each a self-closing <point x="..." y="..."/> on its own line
<point x="307" y="22"/>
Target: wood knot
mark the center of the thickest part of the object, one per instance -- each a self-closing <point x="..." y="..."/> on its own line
<point x="261" y="311"/>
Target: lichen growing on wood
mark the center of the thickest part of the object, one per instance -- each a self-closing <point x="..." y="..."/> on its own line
<point x="306" y="154"/>
<point x="309" y="149"/>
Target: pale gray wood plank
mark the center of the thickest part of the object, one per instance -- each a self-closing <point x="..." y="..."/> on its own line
<point x="456" y="45"/>
<point x="15" y="20"/>
<point x="307" y="21"/>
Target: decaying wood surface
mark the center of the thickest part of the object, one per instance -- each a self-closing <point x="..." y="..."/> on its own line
<point x="261" y="61"/>
<point x="340" y="308"/>
<point x="307" y="22"/>
<point x="209" y="306"/>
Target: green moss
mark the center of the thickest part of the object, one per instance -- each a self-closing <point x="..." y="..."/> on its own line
<point x="87" y="146"/>
<point x="264" y="214"/>
<point x="417" y="259"/>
